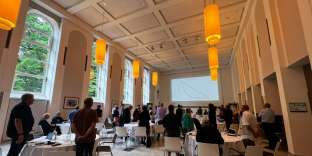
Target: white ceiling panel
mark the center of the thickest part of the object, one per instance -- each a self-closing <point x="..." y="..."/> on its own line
<point x="198" y="56"/>
<point x="148" y="58"/>
<point x="183" y="10"/>
<point x="201" y="66"/>
<point x="154" y="63"/>
<point x="141" y="23"/>
<point x="200" y="48"/>
<point x="181" y="68"/>
<point x="229" y="32"/>
<point x="67" y="3"/>
<point x="195" y="26"/>
<point x="117" y="8"/>
<point x="173" y="60"/>
<point x="230" y="17"/>
<point x="112" y="32"/>
<point x="176" y="65"/>
<point x="158" y="1"/>
<point x="225" y="43"/>
<point x="227" y="51"/>
<point x="167" y="54"/>
<point x="91" y="16"/>
<point x="139" y="51"/>
<point x="201" y="61"/>
<point x="191" y="40"/>
<point x="127" y="43"/>
<point x="154" y="36"/>
<point x="167" y="45"/>
<point x="223" y="3"/>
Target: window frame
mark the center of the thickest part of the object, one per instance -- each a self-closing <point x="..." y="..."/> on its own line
<point x="146" y="87"/>
<point x="129" y="89"/>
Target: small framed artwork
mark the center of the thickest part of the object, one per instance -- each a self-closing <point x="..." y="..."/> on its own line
<point x="70" y="102"/>
<point x="298" y="107"/>
<point x="114" y="102"/>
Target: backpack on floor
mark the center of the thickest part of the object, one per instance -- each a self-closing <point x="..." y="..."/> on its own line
<point x="148" y="141"/>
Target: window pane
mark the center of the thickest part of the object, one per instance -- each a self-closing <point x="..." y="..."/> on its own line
<point x="93" y="52"/>
<point x="93" y="92"/>
<point x="126" y="65"/>
<point x="94" y="81"/>
<point x="125" y="97"/>
<point x="29" y="66"/>
<point x="95" y="70"/>
<point x="37" y="37"/>
<point x="28" y="84"/>
<point x="39" y="23"/>
<point x="36" y="52"/>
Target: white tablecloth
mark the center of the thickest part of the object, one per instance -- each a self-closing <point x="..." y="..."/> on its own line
<point x="229" y="142"/>
<point x="131" y="129"/>
<point x="44" y="150"/>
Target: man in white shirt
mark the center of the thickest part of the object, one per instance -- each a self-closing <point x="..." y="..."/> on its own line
<point x="248" y="128"/>
<point x="267" y="116"/>
<point x="113" y="110"/>
<point x="161" y="113"/>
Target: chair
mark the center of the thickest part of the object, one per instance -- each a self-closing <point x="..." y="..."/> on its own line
<point x="107" y="123"/>
<point x="140" y="132"/>
<point x="172" y="144"/>
<point x="276" y="147"/>
<point x="106" y="148"/>
<point x="122" y="132"/>
<point x="159" y="129"/>
<point x="62" y="153"/>
<point x="204" y="148"/>
<point x="41" y="129"/>
<point x="99" y="127"/>
<point x="250" y="151"/>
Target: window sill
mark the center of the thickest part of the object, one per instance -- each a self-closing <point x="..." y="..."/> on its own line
<point x="19" y="95"/>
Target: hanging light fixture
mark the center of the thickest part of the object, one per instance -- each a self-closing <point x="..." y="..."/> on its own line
<point x="155" y="78"/>
<point x="100" y="49"/>
<point x="214" y="74"/>
<point x="8" y="13"/>
<point x="213" y="57"/>
<point x="136" y="67"/>
<point x="212" y="24"/>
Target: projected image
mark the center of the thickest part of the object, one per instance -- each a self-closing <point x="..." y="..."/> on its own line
<point x="194" y="89"/>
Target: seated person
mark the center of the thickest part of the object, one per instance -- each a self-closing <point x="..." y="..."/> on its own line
<point x="57" y="119"/>
<point x="196" y="122"/>
<point x="205" y="112"/>
<point x="45" y="125"/>
<point x="208" y="134"/>
<point x="136" y="117"/>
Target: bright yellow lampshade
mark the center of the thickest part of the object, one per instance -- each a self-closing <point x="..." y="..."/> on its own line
<point x="100" y="51"/>
<point x="136" y="69"/>
<point x="212" y="24"/>
<point x="214" y="74"/>
<point x="8" y="13"/>
<point x="155" y="78"/>
<point x="213" y="57"/>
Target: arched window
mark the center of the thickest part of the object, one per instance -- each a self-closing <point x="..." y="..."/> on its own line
<point x="128" y="83"/>
<point x="33" y="57"/>
<point x="145" y="87"/>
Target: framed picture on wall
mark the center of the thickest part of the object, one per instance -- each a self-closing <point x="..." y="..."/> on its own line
<point x="114" y="102"/>
<point x="70" y="102"/>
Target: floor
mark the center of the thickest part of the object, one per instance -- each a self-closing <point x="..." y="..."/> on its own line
<point x="155" y="150"/>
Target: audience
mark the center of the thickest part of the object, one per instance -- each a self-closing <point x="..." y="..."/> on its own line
<point x="126" y="116"/>
<point x="83" y="126"/>
<point x="57" y="119"/>
<point x="228" y="116"/>
<point x="99" y="113"/>
<point x="179" y="112"/>
<point x="137" y="110"/>
<point x="20" y="124"/>
<point x="212" y="115"/>
<point x="45" y="125"/>
<point x="199" y="111"/>
<point x="172" y="125"/>
<point x="161" y="112"/>
<point x="116" y="116"/>
<point x="144" y="122"/>
<point x="205" y="113"/>
<point x="222" y="109"/>
<point x="187" y="122"/>
<point x="72" y="113"/>
<point x="196" y="122"/>
<point x="248" y="129"/>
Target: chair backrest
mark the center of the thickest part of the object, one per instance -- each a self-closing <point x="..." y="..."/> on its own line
<point x="159" y="129"/>
<point x="99" y="126"/>
<point x="204" y="148"/>
<point x="109" y="120"/>
<point x="234" y="126"/>
<point x="64" y="129"/>
<point x="114" y="139"/>
<point x="41" y="130"/>
<point x="173" y="144"/>
<point x="121" y="131"/>
<point x="277" y="146"/>
<point x="140" y="131"/>
<point x="254" y="151"/>
<point x="61" y="153"/>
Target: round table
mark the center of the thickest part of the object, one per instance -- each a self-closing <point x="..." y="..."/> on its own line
<point x="44" y="150"/>
<point x="234" y="142"/>
<point x="131" y="128"/>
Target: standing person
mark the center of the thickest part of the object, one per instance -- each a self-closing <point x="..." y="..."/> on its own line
<point x="196" y="122"/>
<point x="20" y="124"/>
<point x="267" y="116"/>
<point x="228" y="116"/>
<point x="172" y="125"/>
<point x="222" y="110"/>
<point x="199" y="111"/>
<point x="72" y="113"/>
<point x="161" y="112"/>
<point x="187" y="122"/>
<point x="116" y="116"/>
<point x="144" y="122"/>
<point x="45" y="125"/>
<point x="212" y="115"/>
<point x="248" y="129"/>
<point x="137" y="110"/>
<point x="179" y="112"/>
<point x="122" y="109"/>
<point x="83" y="126"/>
<point x="126" y="116"/>
<point x="113" y="110"/>
<point x="99" y="113"/>
<point x="183" y="110"/>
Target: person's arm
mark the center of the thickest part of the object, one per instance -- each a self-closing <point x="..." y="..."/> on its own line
<point x="19" y="128"/>
<point x="90" y="130"/>
<point x="260" y="114"/>
<point x="253" y="132"/>
<point x="74" y="128"/>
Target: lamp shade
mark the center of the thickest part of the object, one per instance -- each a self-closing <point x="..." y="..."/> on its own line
<point x="100" y="51"/>
<point x="8" y="13"/>
<point x="213" y="57"/>
<point x="214" y="74"/>
<point x="136" y="69"/>
<point x="155" y="78"/>
<point x="212" y="24"/>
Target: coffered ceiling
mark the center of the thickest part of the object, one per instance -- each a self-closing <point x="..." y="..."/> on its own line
<point x="167" y="34"/>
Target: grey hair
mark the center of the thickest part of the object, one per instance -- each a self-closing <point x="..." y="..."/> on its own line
<point x="57" y="112"/>
<point x="26" y="96"/>
<point x="45" y="114"/>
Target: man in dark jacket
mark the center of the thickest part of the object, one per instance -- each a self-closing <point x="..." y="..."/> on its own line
<point x="45" y="126"/>
<point x="179" y="112"/>
<point x="137" y="110"/>
<point x="126" y="115"/>
<point x="228" y="117"/>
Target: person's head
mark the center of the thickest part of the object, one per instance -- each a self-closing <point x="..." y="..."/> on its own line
<point x="130" y="107"/>
<point x="162" y="104"/>
<point x="188" y="111"/>
<point x="46" y="116"/>
<point x="88" y="102"/>
<point x="28" y="98"/>
<point x="222" y="106"/>
<point x="58" y="114"/>
<point x="245" y="107"/>
<point x="179" y="106"/>
<point x="171" y="108"/>
<point x="98" y="106"/>
<point x="144" y="108"/>
<point x="267" y="105"/>
<point x="199" y="107"/>
<point x="205" y="110"/>
<point x="117" y="107"/>
<point x="122" y="105"/>
<point x="211" y="107"/>
<point x="76" y="107"/>
<point x="206" y="122"/>
<point x="227" y="106"/>
<point x="193" y="115"/>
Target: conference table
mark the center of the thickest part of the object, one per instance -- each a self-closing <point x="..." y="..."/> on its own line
<point x="234" y="142"/>
<point x="132" y="126"/>
<point x="30" y="149"/>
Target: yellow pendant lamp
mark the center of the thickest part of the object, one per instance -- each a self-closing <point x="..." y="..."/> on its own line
<point x="214" y="74"/>
<point x="9" y="10"/>
<point x="155" y="78"/>
<point x="213" y="57"/>
<point x="212" y="24"/>
<point x="136" y="69"/>
<point x="100" y="51"/>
